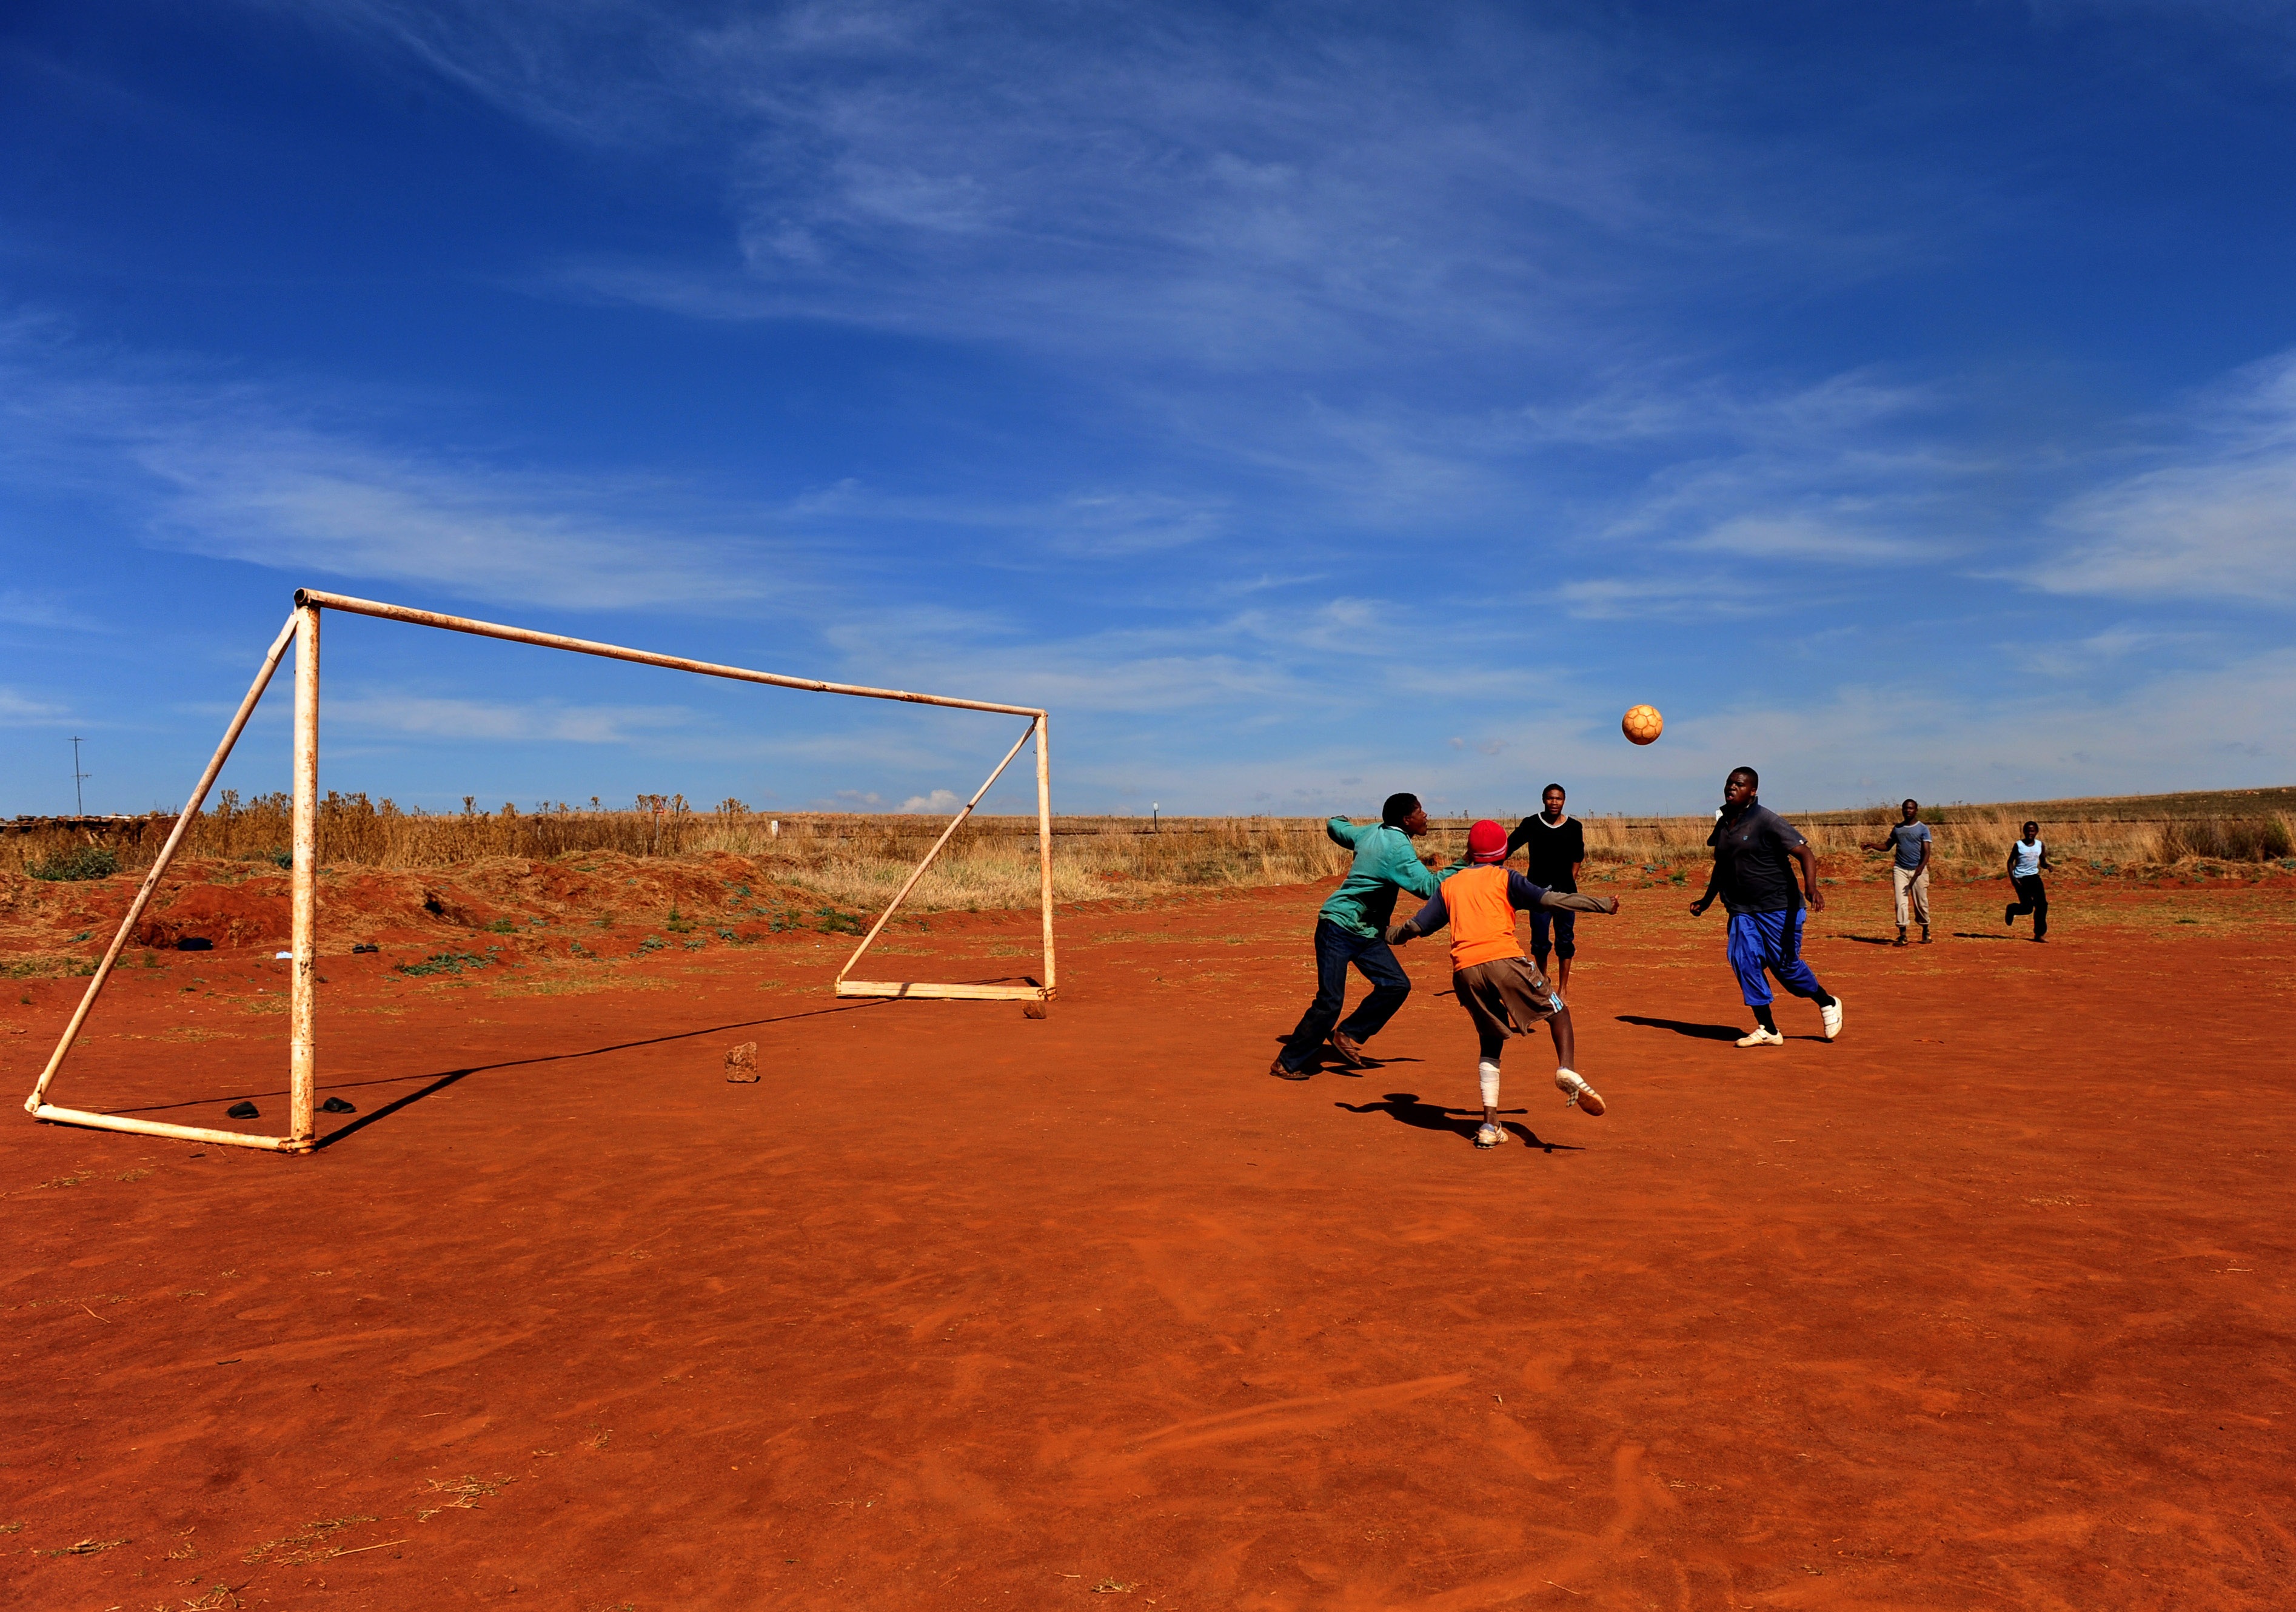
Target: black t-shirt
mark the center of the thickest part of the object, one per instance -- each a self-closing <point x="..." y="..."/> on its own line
<point x="1554" y="849"/>
<point x="1754" y="854"/>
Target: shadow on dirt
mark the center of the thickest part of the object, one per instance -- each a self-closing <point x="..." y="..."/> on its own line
<point x="1407" y="1108"/>
<point x="1704" y="1033"/>
<point x="439" y="1081"/>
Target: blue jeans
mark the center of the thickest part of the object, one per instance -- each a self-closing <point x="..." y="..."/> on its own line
<point x="1335" y="949"/>
<point x="1770" y="940"/>
<point x="1566" y="927"/>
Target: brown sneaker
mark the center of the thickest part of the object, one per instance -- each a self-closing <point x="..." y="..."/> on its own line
<point x="1350" y="1050"/>
<point x="1281" y="1073"/>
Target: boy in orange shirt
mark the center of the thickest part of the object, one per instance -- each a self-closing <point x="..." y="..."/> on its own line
<point x="1499" y="987"/>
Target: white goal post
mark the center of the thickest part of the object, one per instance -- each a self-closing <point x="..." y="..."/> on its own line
<point x="302" y="631"/>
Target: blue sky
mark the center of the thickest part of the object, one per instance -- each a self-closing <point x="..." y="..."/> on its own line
<point x="1302" y="402"/>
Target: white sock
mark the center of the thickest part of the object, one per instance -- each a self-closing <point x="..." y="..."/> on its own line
<point x="1489" y="1070"/>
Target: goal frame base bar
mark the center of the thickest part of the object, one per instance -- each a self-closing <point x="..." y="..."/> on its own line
<point x="54" y="1114"/>
<point x="916" y="990"/>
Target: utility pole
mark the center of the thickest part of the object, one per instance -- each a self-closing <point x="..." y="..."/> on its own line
<point x="78" y="777"/>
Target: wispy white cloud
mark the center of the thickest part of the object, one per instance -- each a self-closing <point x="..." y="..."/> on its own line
<point x="435" y="717"/>
<point x="1293" y="187"/>
<point x="317" y="488"/>
<point x="24" y="607"/>
<point x="18" y="710"/>
<point x="2214" y="518"/>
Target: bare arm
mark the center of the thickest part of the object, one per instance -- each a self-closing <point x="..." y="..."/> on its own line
<point x="1713" y="885"/>
<point x="1808" y="858"/>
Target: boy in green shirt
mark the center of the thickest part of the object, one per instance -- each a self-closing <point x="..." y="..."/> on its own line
<point x="1351" y="930"/>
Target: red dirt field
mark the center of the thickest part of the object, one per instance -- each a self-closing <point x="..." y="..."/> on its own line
<point x="1987" y="1305"/>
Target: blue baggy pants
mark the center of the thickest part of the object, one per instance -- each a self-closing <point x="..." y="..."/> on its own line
<point x="1772" y="942"/>
<point x="1335" y="949"/>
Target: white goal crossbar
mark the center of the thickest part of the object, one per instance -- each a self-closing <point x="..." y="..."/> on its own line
<point x="302" y="631"/>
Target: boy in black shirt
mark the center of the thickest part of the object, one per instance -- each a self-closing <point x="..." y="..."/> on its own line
<point x="1755" y="853"/>
<point x="1556" y="847"/>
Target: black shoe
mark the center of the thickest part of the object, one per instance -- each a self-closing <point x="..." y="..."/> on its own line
<point x="2009" y="913"/>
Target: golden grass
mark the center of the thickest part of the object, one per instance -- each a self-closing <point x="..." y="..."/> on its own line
<point x="857" y="861"/>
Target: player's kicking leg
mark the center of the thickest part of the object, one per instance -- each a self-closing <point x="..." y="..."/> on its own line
<point x="1503" y="997"/>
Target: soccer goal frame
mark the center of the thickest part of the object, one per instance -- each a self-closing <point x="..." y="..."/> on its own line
<point x="302" y="631"/>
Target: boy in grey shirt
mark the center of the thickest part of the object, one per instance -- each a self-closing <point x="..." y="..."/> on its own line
<point x="1910" y="873"/>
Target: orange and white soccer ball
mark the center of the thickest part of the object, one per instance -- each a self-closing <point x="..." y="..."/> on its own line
<point x="1642" y="724"/>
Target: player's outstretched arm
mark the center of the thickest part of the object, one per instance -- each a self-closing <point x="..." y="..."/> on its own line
<point x="1427" y="920"/>
<point x="1558" y="902"/>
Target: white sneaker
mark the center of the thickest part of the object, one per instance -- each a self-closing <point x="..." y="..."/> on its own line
<point x="1490" y="1136"/>
<point x="1759" y="1037"/>
<point x="1577" y="1093"/>
<point x="1831" y="1017"/>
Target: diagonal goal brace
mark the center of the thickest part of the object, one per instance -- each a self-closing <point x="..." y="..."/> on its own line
<point x="302" y="631"/>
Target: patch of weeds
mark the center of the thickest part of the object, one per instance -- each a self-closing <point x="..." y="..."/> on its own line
<point x="311" y="1544"/>
<point x="82" y="935"/>
<point x="467" y="1490"/>
<point x="80" y="862"/>
<point x="280" y="859"/>
<point x="133" y="1175"/>
<point x="501" y="927"/>
<point x="89" y="1547"/>
<point x="652" y="943"/>
<point x="729" y="937"/>
<point x="74" y="1180"/>
<point x="443" y="962"/>
<point x="697" y="942"/>
<point x="678" y="923"/>
<point x="830" y="921"/>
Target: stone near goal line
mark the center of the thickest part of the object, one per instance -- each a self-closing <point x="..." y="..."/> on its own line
<point x="742" y="1063"/>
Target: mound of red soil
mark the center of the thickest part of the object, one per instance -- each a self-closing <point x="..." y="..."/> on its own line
<point x="228" y="906"/>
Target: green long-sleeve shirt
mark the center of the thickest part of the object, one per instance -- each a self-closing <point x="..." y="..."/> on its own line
<point x="1385" y="863"/>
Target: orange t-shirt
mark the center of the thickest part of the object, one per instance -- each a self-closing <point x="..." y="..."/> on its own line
<point x="1482" y="918"/>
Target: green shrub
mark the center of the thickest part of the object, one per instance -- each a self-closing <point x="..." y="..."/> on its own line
<point x="83" y="863"/>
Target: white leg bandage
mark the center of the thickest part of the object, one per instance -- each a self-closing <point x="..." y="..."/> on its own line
<point x="1489" y="1070"/>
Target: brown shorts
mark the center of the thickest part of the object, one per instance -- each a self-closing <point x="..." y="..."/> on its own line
<point x="1503" y="996"/>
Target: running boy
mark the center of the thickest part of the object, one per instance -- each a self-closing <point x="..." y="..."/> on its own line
<point x="1498" y="986"/>
<point x="1755" y="850"/>
<point x="2029" y="859"/>
<point x="1556" y="847"/>
<point x="1350" y="930"/>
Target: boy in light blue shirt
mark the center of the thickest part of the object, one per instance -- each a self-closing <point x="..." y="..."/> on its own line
<point x="2029" y="859"/>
